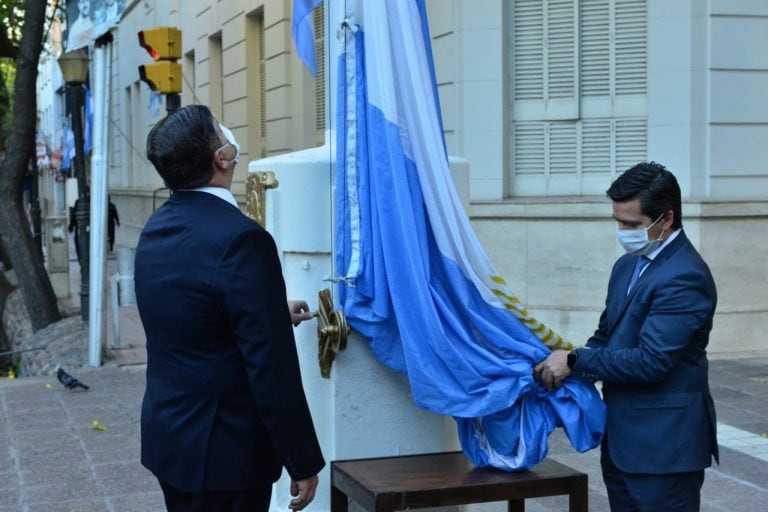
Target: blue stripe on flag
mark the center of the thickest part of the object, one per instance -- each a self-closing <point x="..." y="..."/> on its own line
<point x="303" y="32"/>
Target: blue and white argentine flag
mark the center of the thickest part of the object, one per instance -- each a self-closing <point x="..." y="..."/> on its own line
<point x="416" y="281"/>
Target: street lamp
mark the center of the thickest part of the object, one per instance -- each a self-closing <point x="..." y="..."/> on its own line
<point x="74" y="69"/>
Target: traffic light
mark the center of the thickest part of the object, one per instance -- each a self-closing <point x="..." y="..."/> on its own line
<point x="164" y="45"/>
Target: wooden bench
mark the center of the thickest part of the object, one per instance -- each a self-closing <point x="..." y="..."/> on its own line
<point x="446" y="479"/>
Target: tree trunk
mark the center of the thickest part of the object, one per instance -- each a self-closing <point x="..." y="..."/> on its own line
<point x="15" y="232"/>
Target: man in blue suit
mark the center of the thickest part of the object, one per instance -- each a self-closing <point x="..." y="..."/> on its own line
<point x="224" y="409"/>
<point x="649" y="350"/>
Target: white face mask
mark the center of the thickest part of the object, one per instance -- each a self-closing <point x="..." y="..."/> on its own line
<point x="635" y="241"/>
<point x="230" y="140"/>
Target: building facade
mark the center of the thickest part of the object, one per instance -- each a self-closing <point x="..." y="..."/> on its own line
<point x="548" y="100"/>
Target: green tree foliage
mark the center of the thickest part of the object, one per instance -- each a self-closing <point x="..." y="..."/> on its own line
<point x="11" y="23"/>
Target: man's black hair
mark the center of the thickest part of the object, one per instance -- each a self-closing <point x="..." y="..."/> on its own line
<point x="655" y="187"/>
<point x="181" y="147"/>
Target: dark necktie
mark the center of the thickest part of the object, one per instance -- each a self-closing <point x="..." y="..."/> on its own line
<point x="642" y="261"/>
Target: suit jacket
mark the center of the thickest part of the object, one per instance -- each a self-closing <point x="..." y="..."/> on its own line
<point x="650" y="352"/>
<point x="224" y="408"/>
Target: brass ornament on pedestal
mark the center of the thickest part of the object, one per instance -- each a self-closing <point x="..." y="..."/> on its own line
<point x="332" y="332"/>
<point x="256" y="186"/>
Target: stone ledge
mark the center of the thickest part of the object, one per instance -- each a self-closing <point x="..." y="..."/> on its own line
<point x="65" y="342"/>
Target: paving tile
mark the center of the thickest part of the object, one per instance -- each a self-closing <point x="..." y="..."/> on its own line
<point x="80" y="489"/>
<point x="89" y="505"/>
<point x="147" y="502"/>
<point x="742" y="467"/>
<point x="42" y="461"/>
<point x="38" y="449"/>
<point x="125" y="478"/>
<point x="6" y="459"/>
<point x="728" y="492"/>
<point x="56" y="471"/>
<point x="34" y="391"/>
<point x="9" y="497"/>
<point x="112" y="448"/>
<point x="38" y="420"/>
<point x="106" y="414"/>
<point x="9" y="480"/>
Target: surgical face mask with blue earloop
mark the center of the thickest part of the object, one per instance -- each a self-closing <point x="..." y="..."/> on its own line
<point x="635" y="241"/>
<point x="230" y="140"/>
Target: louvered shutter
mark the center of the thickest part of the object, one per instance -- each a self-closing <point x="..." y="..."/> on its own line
<point x="631" y="58"/>
<point x="262" y="87"/>
<point x="631" y="142"/>
<point x="546" y="157"/>
<point x="544" y="60"/>
<point x="610" y="134"/>
<point x="610" y="146"/>
<point x="319" y="27"/>
<point x="528" y="159"/>
<point x="596" y="155"/>
<point x="562" y="153"/>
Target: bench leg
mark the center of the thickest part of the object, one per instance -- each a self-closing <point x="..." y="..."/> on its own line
<point x="577" y="500"/>
<point x="516" y="506"/>
<point x="339" y="500"/>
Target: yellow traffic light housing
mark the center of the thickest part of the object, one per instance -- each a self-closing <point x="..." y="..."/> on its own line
<point x="163" y="77"/>
<point x="164" y="45"/>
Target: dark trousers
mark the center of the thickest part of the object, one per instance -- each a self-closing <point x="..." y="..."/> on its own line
<point x="641" y="492"/>
<point x="246" y="500"/>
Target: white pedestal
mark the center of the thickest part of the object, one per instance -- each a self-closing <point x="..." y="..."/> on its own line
<point x="364" y="409"/>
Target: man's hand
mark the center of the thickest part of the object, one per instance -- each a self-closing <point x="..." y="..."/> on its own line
<point x="303" y="492"/>
<point x="551" y="371"/>
<point x="299" y="310"/>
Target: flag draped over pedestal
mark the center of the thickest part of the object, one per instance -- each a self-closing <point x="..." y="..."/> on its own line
<point x="416" y="281"/>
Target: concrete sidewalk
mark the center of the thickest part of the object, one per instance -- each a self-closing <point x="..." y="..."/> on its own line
<point x="52" y="459"/>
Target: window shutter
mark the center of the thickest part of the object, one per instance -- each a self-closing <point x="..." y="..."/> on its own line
<point x="545" y="60"/>
<point x="593" y="52"/>
<point x="613" y="57"/>
<point x="262" y="87"/>
<point x="631" y="58"/>
<point x="595" y="48"/>
<point x="631" y="42"/>
<point x="528" y="51"/>
<point x="562" y="169"/>
<point x="319" y="27"/>
<point x="596" y="159"/>
<point x="546" y="157"/>
<point x="528" y="159"/>
<point x="631" y="142"/>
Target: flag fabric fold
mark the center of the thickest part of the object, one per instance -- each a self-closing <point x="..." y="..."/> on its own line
<point x="303" y="32"/>
<point x="415" y="280"/>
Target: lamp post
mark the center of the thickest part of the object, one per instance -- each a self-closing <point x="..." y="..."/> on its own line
<point x="74" y="69"/>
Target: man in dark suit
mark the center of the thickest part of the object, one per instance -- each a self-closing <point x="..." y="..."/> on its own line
<point x="113" y="219"/>
<point x="649" y="350"/>
<point x="224" y="410"/>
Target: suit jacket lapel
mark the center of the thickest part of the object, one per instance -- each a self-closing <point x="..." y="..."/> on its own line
<point x="652" y="267"/>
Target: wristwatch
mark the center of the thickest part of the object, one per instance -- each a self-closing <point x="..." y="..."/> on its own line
<point x="573" y="356"/>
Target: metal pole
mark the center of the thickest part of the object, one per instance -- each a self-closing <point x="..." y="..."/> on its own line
<point x="98" y="242"/>
<point x="172" y="103"/>
<point x="82" y="209"/>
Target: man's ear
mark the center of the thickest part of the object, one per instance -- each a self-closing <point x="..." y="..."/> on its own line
<point x="668" y="220"/>
<point x="219" y="160"/>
